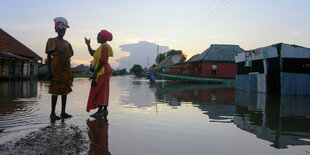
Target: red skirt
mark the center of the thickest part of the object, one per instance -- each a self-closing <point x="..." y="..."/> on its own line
<point x="99" y="94"/>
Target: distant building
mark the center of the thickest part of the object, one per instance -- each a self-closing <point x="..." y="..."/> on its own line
<point x="183" y="68"/>
<point x="280" y="68"/>
<point x="16" y="60"/>
<point x="165" y="65"/>
<point x="223" y="56"/>
<point x="151" y="69"/>
<point x="81" y="69"/>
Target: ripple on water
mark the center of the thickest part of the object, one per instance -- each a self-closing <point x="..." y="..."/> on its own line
<point x="23" y="116"/>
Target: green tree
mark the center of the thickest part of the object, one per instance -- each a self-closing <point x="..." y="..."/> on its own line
<point x="162" y="56"/>
<point x="119" y="72"/>
<point x="136" y="69"/>
<point x="174" y="52"/>
<point x="123" y="71"/>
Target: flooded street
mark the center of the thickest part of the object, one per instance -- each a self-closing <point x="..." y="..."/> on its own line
<point x="163" y="118"/>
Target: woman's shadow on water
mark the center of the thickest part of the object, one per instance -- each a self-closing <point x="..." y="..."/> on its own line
<point x="98" y="135"/>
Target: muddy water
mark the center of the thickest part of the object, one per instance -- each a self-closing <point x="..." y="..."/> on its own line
<point x="163" y="118"/>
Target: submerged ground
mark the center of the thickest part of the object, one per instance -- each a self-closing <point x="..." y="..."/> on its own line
<point x="160" y="118"/>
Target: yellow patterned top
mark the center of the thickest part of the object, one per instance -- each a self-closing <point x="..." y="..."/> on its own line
<point x="97" y="57"/>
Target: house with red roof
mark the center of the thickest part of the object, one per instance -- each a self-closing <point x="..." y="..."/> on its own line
<point x="199" y="67"/>
<point x="16" y="60"/>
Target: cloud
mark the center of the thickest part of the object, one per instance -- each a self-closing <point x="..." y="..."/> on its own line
<point x="139" y="54"/>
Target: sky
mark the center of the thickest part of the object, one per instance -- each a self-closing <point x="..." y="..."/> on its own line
<point x="138" y="26"/>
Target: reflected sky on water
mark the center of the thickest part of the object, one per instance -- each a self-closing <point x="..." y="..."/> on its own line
<point x="167" y="117"/>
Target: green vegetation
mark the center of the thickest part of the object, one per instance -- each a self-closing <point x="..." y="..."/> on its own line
<point x="119" y="72"/>
<point x="82" y="75"/>
<point x="137" y="70"/>
<point x="42" y="74"/>
<point x="162" y="56"/>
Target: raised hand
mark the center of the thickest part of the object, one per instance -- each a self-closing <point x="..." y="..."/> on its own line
<point x="87" y="41"/>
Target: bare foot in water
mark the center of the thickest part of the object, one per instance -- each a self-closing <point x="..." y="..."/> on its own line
<point x="65" y="115"/>
<point x="54" y="117"/>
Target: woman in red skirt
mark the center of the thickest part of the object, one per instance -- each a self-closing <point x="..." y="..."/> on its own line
<point x="99" y="91"/>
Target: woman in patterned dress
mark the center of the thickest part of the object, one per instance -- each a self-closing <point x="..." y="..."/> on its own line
<point x="59" y="52"/>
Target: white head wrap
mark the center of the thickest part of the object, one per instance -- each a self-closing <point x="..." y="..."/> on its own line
<point x="61" y="22"/>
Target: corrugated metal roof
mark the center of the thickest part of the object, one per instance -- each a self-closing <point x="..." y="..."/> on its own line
<point x="11" y="45"/>
<point x="167" y="62"/>
<point x="152" y="68"/>
<point x="219" y="52"/>
<point x="193" y="58"/>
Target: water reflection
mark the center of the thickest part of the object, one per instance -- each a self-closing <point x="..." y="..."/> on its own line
<point x="217" y="101"/>
<point x="16" y="105"/>
<point x="195" y="93"/>
<point x="140" y="95"/>
<point x="169" y="118"/>
<point x="98" y="135"/>
<point x="282" y="120"/>
<point x="18" y="89"/>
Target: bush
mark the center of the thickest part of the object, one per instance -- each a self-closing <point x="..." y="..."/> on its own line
<point x="42" y="74"/>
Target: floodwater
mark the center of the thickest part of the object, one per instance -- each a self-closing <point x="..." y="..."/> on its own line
<point x="166" y="118"/>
